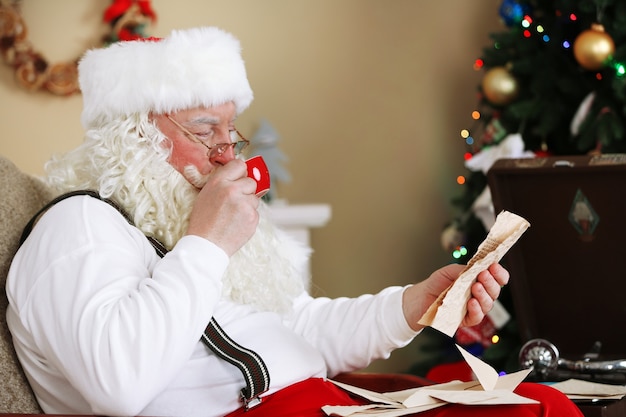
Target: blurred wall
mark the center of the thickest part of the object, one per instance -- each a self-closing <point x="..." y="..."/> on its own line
<point x="368" y="97"/>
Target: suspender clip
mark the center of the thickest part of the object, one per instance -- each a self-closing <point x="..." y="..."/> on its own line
<point x="249" y="403"/>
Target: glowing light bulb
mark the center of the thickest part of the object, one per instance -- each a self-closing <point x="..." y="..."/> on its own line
<point x="459" y="251"/>
<point x="527" y="21"/>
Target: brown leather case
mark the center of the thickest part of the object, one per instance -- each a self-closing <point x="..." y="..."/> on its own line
<point x="568" y="271"/>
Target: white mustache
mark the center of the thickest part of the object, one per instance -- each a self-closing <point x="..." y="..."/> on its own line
<point x="194" y="176"/>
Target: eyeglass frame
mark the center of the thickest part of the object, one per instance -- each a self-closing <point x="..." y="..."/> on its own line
<point x="220" y="148"/>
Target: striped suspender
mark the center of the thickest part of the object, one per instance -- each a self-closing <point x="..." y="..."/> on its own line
<point x="250" y="364"/>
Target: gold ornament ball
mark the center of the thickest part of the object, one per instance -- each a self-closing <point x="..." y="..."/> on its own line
<point x="593" y="47"/>
<point x="499" y="86"/>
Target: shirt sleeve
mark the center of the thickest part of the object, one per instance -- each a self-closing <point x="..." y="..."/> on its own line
<point x="352" y="332"/>
<point x="103" y="309"/>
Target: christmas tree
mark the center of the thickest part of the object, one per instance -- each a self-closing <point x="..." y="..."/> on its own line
<point x="553" y="83"/>
<point x="554" y="78"/>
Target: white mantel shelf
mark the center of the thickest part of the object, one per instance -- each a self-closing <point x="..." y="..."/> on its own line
<point x="299" y="215"/>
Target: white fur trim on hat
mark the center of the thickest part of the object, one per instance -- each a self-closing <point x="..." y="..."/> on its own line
<point x="190" y="68"/>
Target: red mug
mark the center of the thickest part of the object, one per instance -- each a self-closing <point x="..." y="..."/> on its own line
<point x="257" y="170"/>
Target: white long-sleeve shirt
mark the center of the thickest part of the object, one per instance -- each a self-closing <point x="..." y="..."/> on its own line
<point x="103" y="325"/>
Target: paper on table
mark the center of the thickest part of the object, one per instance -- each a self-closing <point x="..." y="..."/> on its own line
<point x="353" y="411"/>
<point x="490" y="389"/>
<point x="488" y="377"/>
<point x="495" y="397"/>
<point x="423" y="395"/>
<point x="386" y="404"/>
<point x="426" y="398"/>
<point x="586" y="390"/>
<point x="447" y="312"/>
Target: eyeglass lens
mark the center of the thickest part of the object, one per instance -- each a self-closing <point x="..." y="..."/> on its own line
<point x="220" y="148"/>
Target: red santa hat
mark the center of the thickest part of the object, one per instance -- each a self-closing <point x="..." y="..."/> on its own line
<point x="190" y="68"/>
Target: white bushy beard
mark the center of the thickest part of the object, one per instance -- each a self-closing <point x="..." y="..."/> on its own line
<point x="268" y="272"/>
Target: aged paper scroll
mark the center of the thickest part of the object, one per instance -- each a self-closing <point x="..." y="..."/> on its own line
<point x="447" y="312"/>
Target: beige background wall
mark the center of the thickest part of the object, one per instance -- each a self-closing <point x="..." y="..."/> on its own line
<point x="368" y="96"/>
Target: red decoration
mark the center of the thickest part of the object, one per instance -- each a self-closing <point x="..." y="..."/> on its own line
<point x="128" y="18"/>
<point x="481" y="333"/>
<point x="120" y="7"/>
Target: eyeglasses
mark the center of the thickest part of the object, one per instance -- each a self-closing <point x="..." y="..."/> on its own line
<point x="219" y="148"/>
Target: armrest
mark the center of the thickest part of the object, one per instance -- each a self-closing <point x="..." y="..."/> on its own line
<point x="382" y="382"/>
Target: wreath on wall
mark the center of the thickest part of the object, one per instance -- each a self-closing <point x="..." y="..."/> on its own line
<point x="128" y="20"/>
